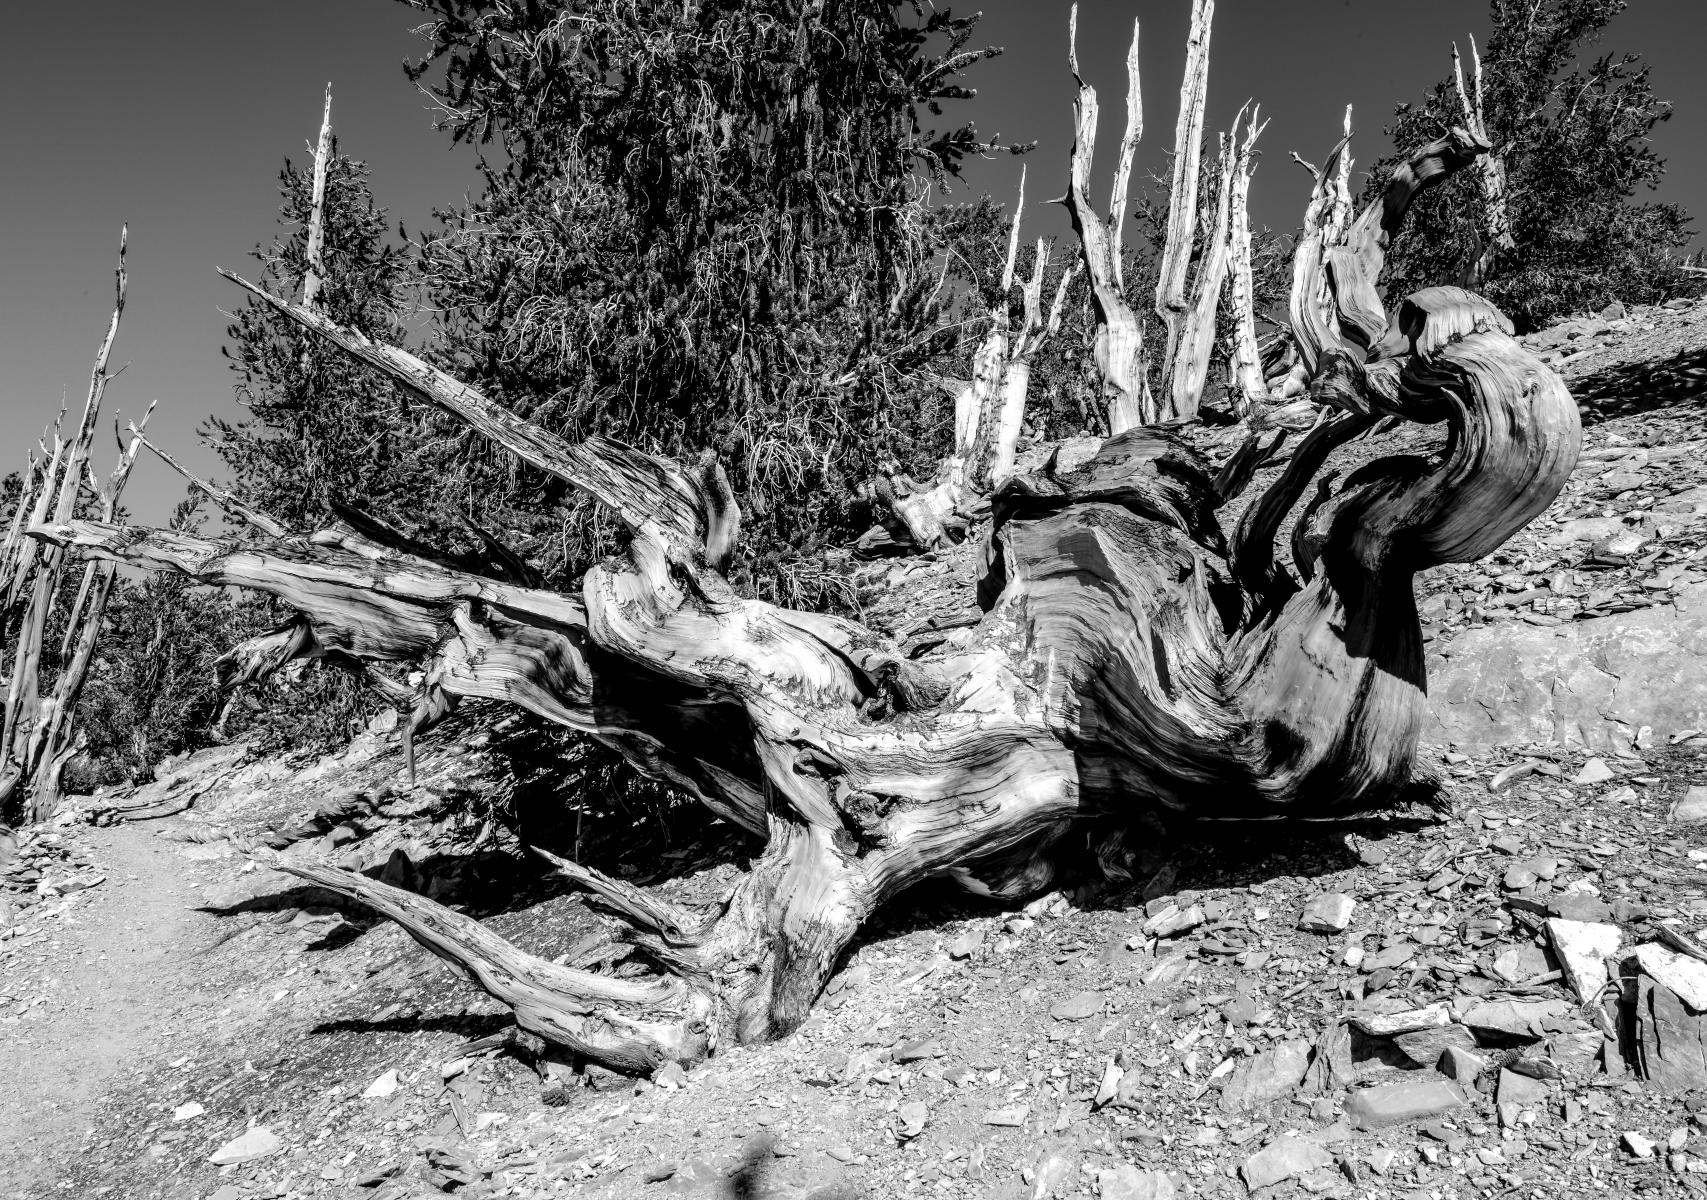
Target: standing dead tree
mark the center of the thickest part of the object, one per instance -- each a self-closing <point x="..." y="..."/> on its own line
<point x="1494" y="237"/>
<point x="39" y="735"/>
<point x="988" y="410"/>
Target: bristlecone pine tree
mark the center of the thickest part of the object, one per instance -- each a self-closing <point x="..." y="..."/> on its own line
<point x="1132" y="657"/>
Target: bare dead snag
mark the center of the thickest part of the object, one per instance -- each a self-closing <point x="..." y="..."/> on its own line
<point x="1119" y="346"/>
<point x="1189" y="369"/>
<point x="1244" y="356"/>
<point x="1171" y="300"/>
<point x="1493" y="236"/>
<point x="316" y="269"/>
<point x="35" y="733"/>
<point x="989" y="410"/>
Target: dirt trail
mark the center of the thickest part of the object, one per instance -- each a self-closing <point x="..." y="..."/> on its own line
<point x="117" y="973"/>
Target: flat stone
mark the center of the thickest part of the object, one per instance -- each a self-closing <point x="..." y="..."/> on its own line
<point x="1691" y="808"/>
<point x="1287" y="1157"/>
<point x="1408" y="1021"/>
<point x="1521" y="1090"/>
<point x="1671" y="1040"/>
<point x="1266" y="1076"/>
<point x="1519" y="963"/>
<point x="1636" y="1144"/>
<point x="1425" y="1046"/>
<point x="1582" y="948"/>
<point x="1573" y="684"/>
<point x="1012" y="1117"/>
<point x="381" y="1087"/>
<point x="1680" y="974"/>
<point x="1079" y="1007"/>
<point x="1579" y="906"/>
<point x="1173" y="920"/>
<point x="1127" y="1182"/>
<point x="1112" y="1075"/>
<point x="1391" y="959"/>
<point x="1519" y="1018"/>
<point x="967" y="944"/>
<point x="1328" y="913"/>
<point x="1401" y="1103"/>
<point x="1461" y="1065"/>
<point x="1594" y="770"/>
<point x="258" y="1142"/>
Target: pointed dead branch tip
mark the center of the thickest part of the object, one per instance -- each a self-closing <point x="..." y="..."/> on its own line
<point x="1013" y="238"/>
<point x="1134" y="133"/>
<point x="315" y="269"/>
<point x="634" y="905"/>
<point x="1073" y="42"/>
<point x="226" y="500"/>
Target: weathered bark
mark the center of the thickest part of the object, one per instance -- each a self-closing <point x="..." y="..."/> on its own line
<point x="1244" y="357"/>
<point x="1171" y="302"/>
<point x="1119" y="347"/>
<point x="316" y="269"/>
<point x="1189" y="370"/>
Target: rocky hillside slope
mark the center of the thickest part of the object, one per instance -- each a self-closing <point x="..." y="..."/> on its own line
<point x="1498" y="991"/>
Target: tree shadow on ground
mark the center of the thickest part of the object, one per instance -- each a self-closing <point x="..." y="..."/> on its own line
<point x="467" y="1026"/>
<point x="1636" y="387"/>
<point x="494" y="883"/>
<point x="1186" y="856"/>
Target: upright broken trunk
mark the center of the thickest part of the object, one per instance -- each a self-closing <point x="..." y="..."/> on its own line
<point x="38" y="739"/>
<point x="988" y="411"/>
<point x="1119" y="349"/>
<point x="1493" y="234"/>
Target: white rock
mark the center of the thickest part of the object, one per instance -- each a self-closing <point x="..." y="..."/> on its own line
<point x="1595" y="770"/>
<point x="1638" y="1145"/>
<point x="1127" y="1182"/>
<point x="1393" y="1024"/>
<point x="1110" y="1088"/>
<point x="1328" y="913"/>
<point x="1692" y="808"/>
<point x="381" y="1087"/>
<point x="258" y="1142"/>
<point x="1684" y="977"/>
<point x="1582" y="948"/>
<point x="187" y="1112"/>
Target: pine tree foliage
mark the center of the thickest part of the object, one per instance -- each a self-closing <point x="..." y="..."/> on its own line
<point x="705" y="224"/>
<point x="1575" y="135"/>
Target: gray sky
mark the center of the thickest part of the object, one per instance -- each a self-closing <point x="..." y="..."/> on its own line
<point x="176" y="114"/>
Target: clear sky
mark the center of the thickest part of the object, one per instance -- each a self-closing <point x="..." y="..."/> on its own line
<point x="175" y="115"/>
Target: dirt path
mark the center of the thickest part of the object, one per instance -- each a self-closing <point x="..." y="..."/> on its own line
<point x="93" y="990"/>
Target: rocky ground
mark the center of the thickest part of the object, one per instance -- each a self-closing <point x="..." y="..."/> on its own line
<point x="1498" y="991"/>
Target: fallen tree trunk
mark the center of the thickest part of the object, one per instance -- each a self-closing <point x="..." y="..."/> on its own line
<point x="1121" y="668"/>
